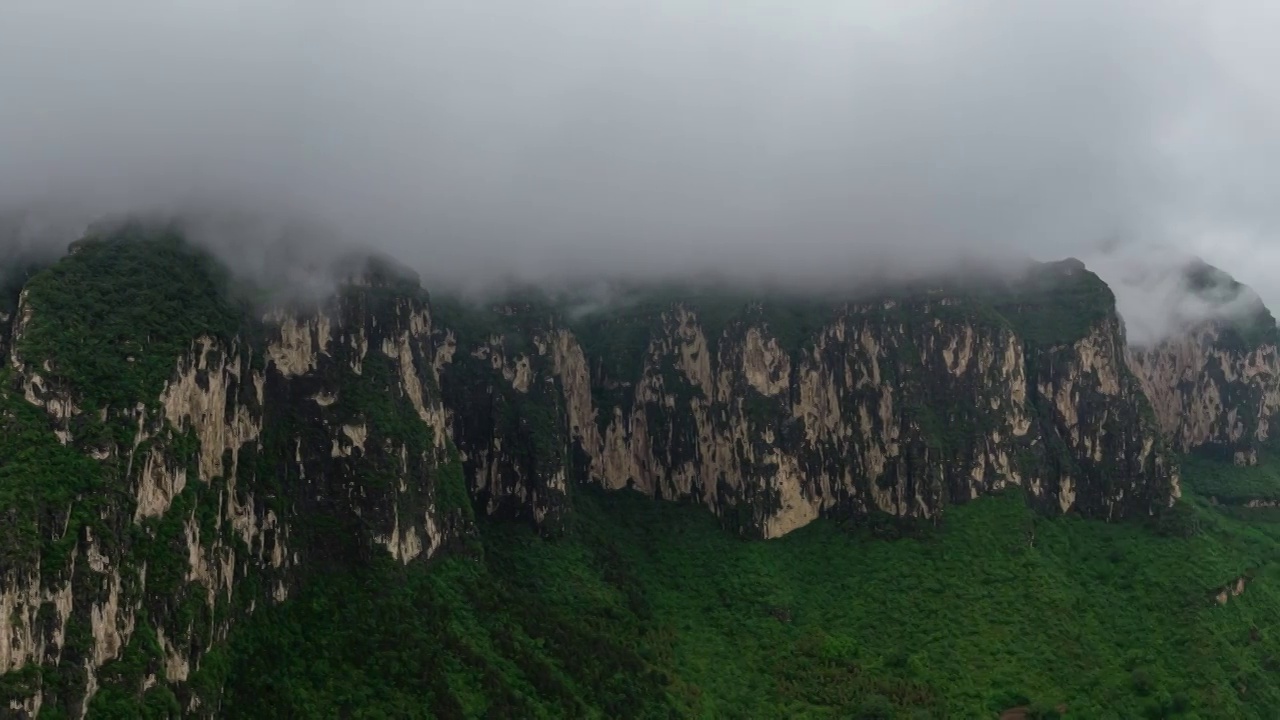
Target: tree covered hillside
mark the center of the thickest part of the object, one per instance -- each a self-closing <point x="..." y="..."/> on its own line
<point x="652" y="610"/>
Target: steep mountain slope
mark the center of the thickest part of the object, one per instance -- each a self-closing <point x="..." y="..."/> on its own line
<point x="1215" y="384"/>
<point x="176" y="458"/>
<point x="169" y="461"/>
<point x="774" y="412"/>
<point x="646" y="610"/>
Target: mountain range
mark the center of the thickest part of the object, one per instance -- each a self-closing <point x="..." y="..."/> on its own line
<point x="184" y="455"/>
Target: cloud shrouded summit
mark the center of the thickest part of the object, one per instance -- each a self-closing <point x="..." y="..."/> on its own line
<point x="475" y="139"/>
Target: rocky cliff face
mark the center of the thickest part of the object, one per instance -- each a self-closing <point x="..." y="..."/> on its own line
<point x="896" y="406"/>
<point x="1215" y="384"/>
<point x="172" y="458"/>
<point x="165" y="474"/>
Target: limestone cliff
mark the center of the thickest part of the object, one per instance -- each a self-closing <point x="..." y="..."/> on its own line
<point x="1214" y="383"/>
<point x="171" y="460"/>
<point x="774" y="413"/>
<point x="177" y="450"/>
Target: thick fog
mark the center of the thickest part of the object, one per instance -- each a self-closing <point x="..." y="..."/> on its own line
<point x="481" y="139"/>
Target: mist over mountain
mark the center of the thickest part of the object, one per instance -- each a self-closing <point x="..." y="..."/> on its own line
<point x="622" y="359"/>
<point x="571" y="138"/>
<point x="1164" y="291"/>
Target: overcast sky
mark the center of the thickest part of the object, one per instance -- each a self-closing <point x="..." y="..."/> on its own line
<point x="474" y="138"/>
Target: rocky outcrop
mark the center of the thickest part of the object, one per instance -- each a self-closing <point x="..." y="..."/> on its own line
<point x="508" y="420"/>
<point x="1210" y="395"/>
<point x="1232" y="589"/>
<point x="1113" y="464"/>
<point x="1215" y="384"/>
<point x="898" y="406"/>
<point x="259" y="452"/>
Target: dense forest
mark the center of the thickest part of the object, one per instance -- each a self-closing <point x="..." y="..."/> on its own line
<point x="652" y="610"/>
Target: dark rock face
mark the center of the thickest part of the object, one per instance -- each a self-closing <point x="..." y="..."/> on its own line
<point x="899" y="406"/>
<point x="172" y="457"/>
<point x="508" y="421"/>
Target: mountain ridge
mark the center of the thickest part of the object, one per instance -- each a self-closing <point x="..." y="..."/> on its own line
<point x="213" y="455"/>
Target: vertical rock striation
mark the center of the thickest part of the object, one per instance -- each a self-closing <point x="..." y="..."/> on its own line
<point x="170" y="461"/>
<point x="776" y="413"/>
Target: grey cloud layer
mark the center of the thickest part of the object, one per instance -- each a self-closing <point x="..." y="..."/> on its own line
<point x="472" y="139"/>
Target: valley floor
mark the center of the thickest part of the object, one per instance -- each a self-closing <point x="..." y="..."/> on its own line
<point x="652" y="610"/>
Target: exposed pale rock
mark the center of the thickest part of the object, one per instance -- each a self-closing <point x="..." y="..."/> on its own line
<point x="159" y="483"/>
<point x="21" y="596"/>
<point x="201" y="396"/>
<point x="859" y="430"/>
<point x="177" y="666"/>
<point x="355" y="435"/>
<point x="111" y="623"/>
<point x="299" y="342"/>
<point x="1203" y="393"/>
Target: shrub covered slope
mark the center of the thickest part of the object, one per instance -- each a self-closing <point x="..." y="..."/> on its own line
<point x="652" y="610"/>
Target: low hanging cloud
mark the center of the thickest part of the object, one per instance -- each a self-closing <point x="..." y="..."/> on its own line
<point x="1164" y="290"/>
<point x="806" y="142"/>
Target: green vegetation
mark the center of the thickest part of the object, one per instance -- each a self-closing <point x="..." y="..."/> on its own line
<point x="460" y="640"/>
<point x="617" y="339"/>
<point x="638" y="609"/>
<point x="107" y="325"/>
<point x="1057" y="303"/>
<point x="1235" y="485"/>
<point x="513" y="321"/>
<point x="647" y="609"/>
<point x="119" y="677"/>
<point x="111" y="317"/>
<point x="38" y="478"/>
<point x="1249" y="330"/>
